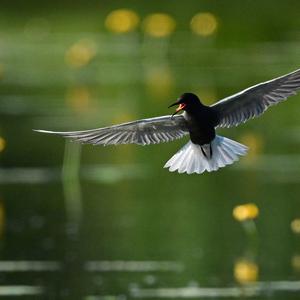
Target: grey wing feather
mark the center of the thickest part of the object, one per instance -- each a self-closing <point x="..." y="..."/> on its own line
<point x="141" y="132"/>
<point x="252" y="102"/>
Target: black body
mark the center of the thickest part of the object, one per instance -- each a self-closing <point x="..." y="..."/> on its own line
<point x="201" y="119"/>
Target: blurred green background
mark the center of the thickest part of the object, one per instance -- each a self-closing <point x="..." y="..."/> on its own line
<point x="84" y="222"/>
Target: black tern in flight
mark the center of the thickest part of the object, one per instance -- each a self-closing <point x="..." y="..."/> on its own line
<point x="205" y="151"/>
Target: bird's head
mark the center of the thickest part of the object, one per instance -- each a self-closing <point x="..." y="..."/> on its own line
<point x="187" y="102"/>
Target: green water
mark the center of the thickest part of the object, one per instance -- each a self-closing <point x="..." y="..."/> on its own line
<point x="84" y="222"/>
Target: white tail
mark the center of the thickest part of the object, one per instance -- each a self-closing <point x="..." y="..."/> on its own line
<point x="192" y="158"/>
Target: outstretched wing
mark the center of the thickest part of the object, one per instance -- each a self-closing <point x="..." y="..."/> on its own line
<point x="252" y="102"/>
<point x="141" y="132"/>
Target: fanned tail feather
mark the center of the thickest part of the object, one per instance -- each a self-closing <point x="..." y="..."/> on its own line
<point x="192" y="159"/>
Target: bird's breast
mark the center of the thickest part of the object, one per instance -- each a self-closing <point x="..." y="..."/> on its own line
<point x="201" y="130"/>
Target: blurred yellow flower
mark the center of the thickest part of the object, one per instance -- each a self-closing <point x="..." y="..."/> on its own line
<point x="295" y="226"/>
<point x="159" y="81"/>
<point x="159" y="25"/>
<point x="255" y="143"/>
<point x="80" y="53"/>
<point x="295" y="262"/>
<point x="2" y="144"/>
<point x="245" y="212"/>
<point x="245" y="271"/>
<point x="122" y="21"/>
<point x="204" y="24"/>
<point x="78" y="98"/>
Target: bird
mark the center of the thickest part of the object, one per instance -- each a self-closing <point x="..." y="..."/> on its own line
<point x="205" y="151"/>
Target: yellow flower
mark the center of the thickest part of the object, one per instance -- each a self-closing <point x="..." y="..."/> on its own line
<point x="159" y="81"/>
<point x="122" y="21"/>
<point x="159" y="25"/>
<point x="204" y="24"/>
<point x="245" y="212"/>
<point x="80" y="53"/>
<point x="2" y="144"/>
<point x="246" y="271"/>
<point x="295" y="226"/>
<point x="255" y="143"/>
<point x="78" y="98"/>
<point x="296" y="262"/>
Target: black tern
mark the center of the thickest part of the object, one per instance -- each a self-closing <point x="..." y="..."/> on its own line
<point x="205" y="151"/>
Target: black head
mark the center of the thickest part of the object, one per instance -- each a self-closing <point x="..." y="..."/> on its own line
<point x="187" y="101"/>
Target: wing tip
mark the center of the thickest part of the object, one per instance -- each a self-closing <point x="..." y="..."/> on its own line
<point x="43" y="131"/>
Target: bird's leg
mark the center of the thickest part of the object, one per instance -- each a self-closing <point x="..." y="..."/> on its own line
<point x="206" y="154"/>
<point x="203" y="152"/>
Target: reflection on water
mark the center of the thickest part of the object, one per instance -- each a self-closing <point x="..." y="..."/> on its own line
<point x="134" y="266"/>
<point x="261" y="288"/>
<point x="111" y="223"/>
<point x="29" y="266"/>
<point x="21" y="290"/>
<point x="71" y="185"/>
<point x="247" y="273"/>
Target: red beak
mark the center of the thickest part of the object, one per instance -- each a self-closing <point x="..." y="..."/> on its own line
<point x="180" y="107"/>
